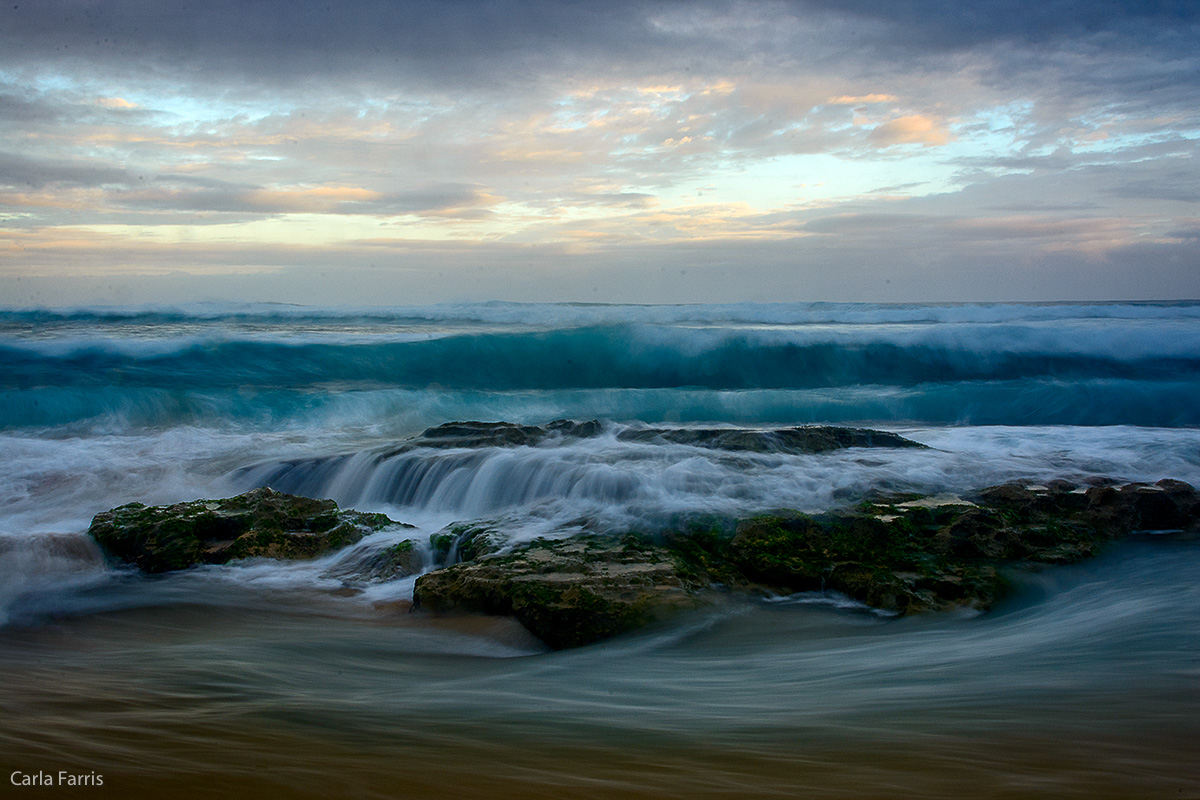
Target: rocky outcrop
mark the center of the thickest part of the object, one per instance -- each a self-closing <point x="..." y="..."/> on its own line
<point x="261" y="522"/>
<point x="569" y="592"/>
<point x="473" y="440"/>
<point x="497" y="434"/>
<point x="901" y="553"/>
<point x="802" y="439"/>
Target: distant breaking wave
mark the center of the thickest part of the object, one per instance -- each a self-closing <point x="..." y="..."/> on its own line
<point x="1084" y="364"/>
<point x="590" y="314"/>
<point x="610" y="357"/>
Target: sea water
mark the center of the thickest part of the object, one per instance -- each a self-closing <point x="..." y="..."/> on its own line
<point x="287" y="677"/>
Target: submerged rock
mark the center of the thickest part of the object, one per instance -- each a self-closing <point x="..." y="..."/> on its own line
<point x="261" y="522"/>
<point x="901" y="553"/>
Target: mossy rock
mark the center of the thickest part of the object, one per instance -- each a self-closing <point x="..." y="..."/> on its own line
<point x="465" y="542"/>
<point x="261" y="522"/>
<point x="567" y="593"/>
<point x="398" y="560"/>
<point x="904" y="553"/>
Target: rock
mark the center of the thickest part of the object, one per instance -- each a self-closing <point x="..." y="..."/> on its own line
<point x="903" y="553"/>
<point x="473" y="439"/>
<point x="399" y="560"/>
<point x="1167" y="505"/>
<point x="261" y="522"/>
<point x="460" y="542"/>
<point x="496" y="434"/>
<point x="888" y="563"/>
<point x="803" y="439"/>
<point x="567" y="593"/>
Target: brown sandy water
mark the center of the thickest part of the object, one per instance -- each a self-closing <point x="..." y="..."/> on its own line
<point x="1087" y="685"/>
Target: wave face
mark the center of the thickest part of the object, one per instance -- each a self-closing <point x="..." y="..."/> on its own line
<point x="1079" y="364"/>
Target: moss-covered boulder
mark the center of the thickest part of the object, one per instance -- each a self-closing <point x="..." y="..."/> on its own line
<point x="261" y="522"/>
<point x="911" y="553"/>
<point x="568" y="592"/>
<point x="903" y="553"/>
<point x="886" y="563"/>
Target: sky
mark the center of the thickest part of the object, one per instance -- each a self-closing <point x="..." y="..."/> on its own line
<point x="651" y="151"/>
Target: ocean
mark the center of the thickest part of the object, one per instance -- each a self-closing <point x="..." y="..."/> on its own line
<point x="290" y="678"/>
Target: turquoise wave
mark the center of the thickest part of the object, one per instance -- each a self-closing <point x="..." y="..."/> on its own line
<point x="1152" y="403"/>
<point x="608" y="357"/>
<point x="1086" y="364"/>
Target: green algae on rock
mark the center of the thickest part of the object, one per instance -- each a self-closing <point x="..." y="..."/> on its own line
<point x="261" y="522"/>
<point x="567" y="592"/>
<point x="464" y="542"/>
<point x="900" y="553"/>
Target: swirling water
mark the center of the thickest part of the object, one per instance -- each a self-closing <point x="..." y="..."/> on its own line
<point x="262" y="675"/>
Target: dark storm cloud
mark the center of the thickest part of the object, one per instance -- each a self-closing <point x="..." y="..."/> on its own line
<point x="1136" y="54"/>
<point x="449" y="40"/>
<point x="955" y="24"/>
<point x="288" y="41"/>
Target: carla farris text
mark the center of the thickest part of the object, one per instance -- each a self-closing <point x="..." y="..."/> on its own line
<point x="60" y="778"/>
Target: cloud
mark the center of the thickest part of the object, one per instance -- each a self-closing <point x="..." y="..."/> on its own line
<point x="466" y="44"/>
<point x="853" y="100"/>
<point x="114" y="102"/>
<point x="706" y="270"/>
<point x="951" y="25"/>
<point x="858" y="224"/>
<point x="17" y="170"/>
<point x="912" y="129"/>
<point x="892" y="136"/>
<point x="1179" y="188"/>
<point x="446" y="199"/>
<point x="435" y="42"/>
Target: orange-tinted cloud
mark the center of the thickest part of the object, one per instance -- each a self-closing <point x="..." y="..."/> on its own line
<point x="913" y="129"/>
<point x="853" y="100"/>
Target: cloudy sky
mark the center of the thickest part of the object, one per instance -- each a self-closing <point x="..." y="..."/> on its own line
<point x="630" y="150"/>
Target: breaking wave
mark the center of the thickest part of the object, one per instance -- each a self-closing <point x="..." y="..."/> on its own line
<point x="255" y="365"/>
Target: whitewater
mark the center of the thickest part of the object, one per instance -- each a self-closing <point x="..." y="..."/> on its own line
<point x="296" y="678"/>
